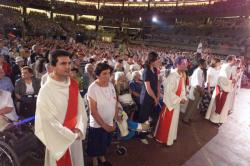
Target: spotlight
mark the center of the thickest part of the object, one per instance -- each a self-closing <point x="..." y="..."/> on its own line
<point x="154" y="19"/>
<point x="140" y="19"/>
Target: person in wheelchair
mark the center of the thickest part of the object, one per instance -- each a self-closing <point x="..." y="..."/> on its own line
<point x="26" y="90"/>
<point x="135" y="86"/>
<point x="7" y="109"/>
<point x="124" y="95"/>
<point x="128" y="128"/>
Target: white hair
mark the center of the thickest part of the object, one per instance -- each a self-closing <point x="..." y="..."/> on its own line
<point x="134" y="73"/>
<point x="118" y="75"/>
<point x="33" y="47"/>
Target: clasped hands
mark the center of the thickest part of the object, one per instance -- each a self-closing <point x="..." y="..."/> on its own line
<point x="78" y="132"/>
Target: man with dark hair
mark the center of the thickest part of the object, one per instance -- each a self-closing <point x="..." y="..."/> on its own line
<point x="61" y="120"/>
<point x="53" y="56"/>
<point x="197" y="85"/>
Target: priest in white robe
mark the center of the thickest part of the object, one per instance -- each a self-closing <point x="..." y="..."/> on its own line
<point x="220" y="104"/>
<point x="174" y="96"/>
<point x="54" y="108"/>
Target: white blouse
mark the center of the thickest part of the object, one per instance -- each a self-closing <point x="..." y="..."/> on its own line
<point x="29" y="89"/>
<point x="105" y="97"/>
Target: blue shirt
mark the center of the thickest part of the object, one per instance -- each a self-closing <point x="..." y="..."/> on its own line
<point x="135" y="87"/>
<point x="6" y="84"/>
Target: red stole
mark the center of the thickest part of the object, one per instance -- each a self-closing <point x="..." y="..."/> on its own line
<point x="220" y="98"/>
<point x="70" y="120"/>
<point x="165" y="119"/>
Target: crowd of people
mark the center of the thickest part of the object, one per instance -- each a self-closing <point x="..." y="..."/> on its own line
<point x="40" y="24"/>
<point x="88" y="91"/>
<point x="219" y="32"/>
<point x="132" y="89"/>
<point x="69" y="7"/>
<point x="14" y="18"/>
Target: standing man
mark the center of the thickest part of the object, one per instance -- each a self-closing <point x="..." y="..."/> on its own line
<point x="61" y="119"/>
<point x="220" y="104"/>
<point x="174" y="96"/>
<point x="196" y="91"/>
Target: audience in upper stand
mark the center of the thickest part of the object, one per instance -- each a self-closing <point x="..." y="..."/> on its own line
<point x="108" y="73"/>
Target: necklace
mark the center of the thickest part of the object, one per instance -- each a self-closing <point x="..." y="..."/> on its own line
<point x="107" y="92"/>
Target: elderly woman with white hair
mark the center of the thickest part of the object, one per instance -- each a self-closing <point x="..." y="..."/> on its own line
<point x="124" y="95"/>
<point x="132" y="68"/>
<point x="88" y="77"/>
<point x="135" y="86"/>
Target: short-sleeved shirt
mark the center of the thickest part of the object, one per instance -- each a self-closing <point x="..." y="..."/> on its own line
<point x="6" y="84"/>
<point x="197" y="78"/>
<point x="136" y="87"/>
<point x="6" y="101"/>
<point x="105" y="97"/>
<point x="149" y="76"/>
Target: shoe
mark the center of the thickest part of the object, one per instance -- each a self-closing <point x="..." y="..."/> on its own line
<point x="144" y="141"/>
<point x="150" y="136"/>
<point x="145" y="126"/>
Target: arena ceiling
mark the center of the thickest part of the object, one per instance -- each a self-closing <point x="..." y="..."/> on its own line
<point x="144" y="2"/>
<point x="153" y="0"/>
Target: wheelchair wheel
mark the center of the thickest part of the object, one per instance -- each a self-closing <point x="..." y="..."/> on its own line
<point x="38" y="153"/>
<point x="121" y="150"/>
<point x="7" y="155"/>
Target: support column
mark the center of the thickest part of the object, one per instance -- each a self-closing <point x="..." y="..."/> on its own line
<point x="52" y="3"/>
<point x="24" y="14"/>
<point x="75" y="18"/>
<point x="122" y="16"/>
<point x="97" y="17"/>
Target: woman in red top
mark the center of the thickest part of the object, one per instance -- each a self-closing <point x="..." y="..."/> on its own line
<point x="5" y="66"/>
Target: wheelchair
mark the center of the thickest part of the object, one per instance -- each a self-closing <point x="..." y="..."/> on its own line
<point x="18" y="142"/>
<point x="27" y="106"/>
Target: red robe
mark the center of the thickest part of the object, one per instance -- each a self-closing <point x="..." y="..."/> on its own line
<point x="220" y="98"/>
<point x="165" y="119"/>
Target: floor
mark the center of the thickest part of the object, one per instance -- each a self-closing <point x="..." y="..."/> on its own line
<point x="201" y="144"/>
<point x="231" y="146"/>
